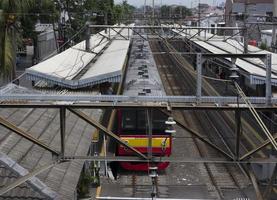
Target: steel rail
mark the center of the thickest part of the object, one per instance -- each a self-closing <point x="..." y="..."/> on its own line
<point x="26" y="135"/>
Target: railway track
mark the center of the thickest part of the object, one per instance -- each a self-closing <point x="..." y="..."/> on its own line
<point x="220" y="176"/>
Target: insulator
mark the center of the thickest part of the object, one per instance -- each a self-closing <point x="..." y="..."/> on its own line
<point x="153" y="172"/>
<point x="170" y="121"/>
<point x="170" y="131"/>
<point x="234" y="70"/>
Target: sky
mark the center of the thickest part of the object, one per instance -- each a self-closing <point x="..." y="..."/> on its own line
<point x="187" y="3"/>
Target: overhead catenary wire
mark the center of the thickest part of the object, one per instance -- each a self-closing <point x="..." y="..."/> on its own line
<point x="256" y="116"/>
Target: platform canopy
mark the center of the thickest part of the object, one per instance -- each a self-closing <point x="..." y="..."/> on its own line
<point x="253" y="68"/>
<point x="77" y="68"/>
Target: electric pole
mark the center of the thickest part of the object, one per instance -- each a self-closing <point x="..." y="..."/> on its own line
<point x="273" y="43"/>
<point x="199" y="14"/>
<point x="153" y="13"/>
<point x="144" y="8"/>
<point x="245" y="27"/>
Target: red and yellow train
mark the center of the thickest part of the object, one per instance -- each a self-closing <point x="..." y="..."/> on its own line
<point x="132" y="128"/>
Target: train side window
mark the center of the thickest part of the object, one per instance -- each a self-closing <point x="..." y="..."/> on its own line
<point x="129" y="119"/>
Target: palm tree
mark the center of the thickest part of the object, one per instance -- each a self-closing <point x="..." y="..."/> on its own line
<point x="10" y="13"/>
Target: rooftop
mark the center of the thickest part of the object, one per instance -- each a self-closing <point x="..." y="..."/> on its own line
<point x="19" y="156"/>
<point x="77" y="68"/>
<point x="254" y="67"/>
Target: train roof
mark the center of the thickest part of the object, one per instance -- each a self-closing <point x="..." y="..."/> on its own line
<point x="142" y="76"/>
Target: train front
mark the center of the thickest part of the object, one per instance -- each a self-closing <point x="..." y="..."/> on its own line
<point x="133" y="129"/>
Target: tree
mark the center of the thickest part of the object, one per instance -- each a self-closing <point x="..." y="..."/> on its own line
<point x="175" y="11"/>
<point x="123" y="11"/>
<point x="11" y="12"/>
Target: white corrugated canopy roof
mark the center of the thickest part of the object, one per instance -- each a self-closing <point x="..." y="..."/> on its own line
<point x="74" y="68"/>
<point x="254" y="66"/>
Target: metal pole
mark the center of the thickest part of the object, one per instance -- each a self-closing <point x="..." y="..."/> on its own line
<point x="268" y="189"/>
<point x="106" y="21"/>
<point x="268" y="94"/>
<point x="153" y="12"/>
<point x="273" y="43"/>
<point x="245" y="30"/>
<point x="199" y="76"/>
<point x="199" y="15"/>
<point x="62" y="129"/>
<point x="144" y="9"/>
<point x="238" y="132"/>
<point x="254" y="183"/>
<point x="149" y="123"/>
<point x="87" y="36"/>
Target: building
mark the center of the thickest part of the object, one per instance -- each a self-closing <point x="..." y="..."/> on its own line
<point x="266" y="37"/>
<point x="46" y="41"/>
<point x="234" y="10"/>
<point x="257" y="11"/>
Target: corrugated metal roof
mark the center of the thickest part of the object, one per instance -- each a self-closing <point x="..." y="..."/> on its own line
<point x="43" y="124"/>
<point x="76" y="68"/>
<point x="254" y="66"/>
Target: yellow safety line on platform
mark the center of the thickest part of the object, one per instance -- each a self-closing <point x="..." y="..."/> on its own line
<point x="98" y="191"/>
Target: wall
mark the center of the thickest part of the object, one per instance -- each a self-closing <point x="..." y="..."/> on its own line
<point x="46" y="44"/>
<point x="266" y="38"/>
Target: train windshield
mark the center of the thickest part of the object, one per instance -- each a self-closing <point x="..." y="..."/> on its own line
<point x="135" y="122"/>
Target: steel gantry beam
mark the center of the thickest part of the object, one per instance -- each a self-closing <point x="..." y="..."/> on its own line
<point x="179" y="28"/>
<point x="106" y="131"/>
<point x="268" y="189"/>
<point x="254" y="182"/>
<point x="258" y="148"/>
<point x="116" y="101"/>
<point x="214" y="160"/>
<point x="26" y="135"/>
<point x="199" y="136"/>
<point x="27" y="177"/>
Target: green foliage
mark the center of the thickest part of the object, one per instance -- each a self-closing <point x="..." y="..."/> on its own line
<point x="174" y="12"/>
<point x="263" y="46"/>
<point x="7" y="50"/>
<point x="122" y="11"/>
<point x="11" y="12"/>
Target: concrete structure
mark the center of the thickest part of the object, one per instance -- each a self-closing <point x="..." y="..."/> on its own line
<point x="266" y="37"/>
<point x="46" y="41"/>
